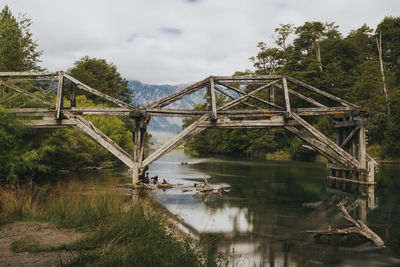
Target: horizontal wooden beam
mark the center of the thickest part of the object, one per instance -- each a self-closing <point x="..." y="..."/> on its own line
<point x="321" y="110"/>
<point x="245" y="124"/>
<point x="349" y="123"/>
<point x="248" y="77"/>
<point x="350" y="180"/>
<point x="162" y="112"/>
<point x="50" y="123"/>
<point x="334" y="166"/>
<point x="26" y="73"/>
<point x="38" y="79"/>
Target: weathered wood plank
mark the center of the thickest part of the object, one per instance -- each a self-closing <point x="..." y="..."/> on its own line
<point x="271" y="94"/>
<point x="362" y="146"/>
<point x="32" y="80"/>
<point x="334" y="166"/>
<point x="286" y="97"/>
<point x="350" y="180"/>
<point x="322" y="148"/>
<point x="321" y="111"/>
<point x="246" y="96"/>
<point x="248" y="77"/>
<point x="232" y="97"/>
<point x="50" y="123"/>
<point x="349" y="137"/>
<point x="22" y="91"/>
<point x="307" y="99"/>
<point x="303" y="97"/>
<point x="336" y="148"/>
<point x="27" y="73"/>
<point x="213" y="100"/>
<point x="96" y="135"/>
<point x="169" y="99"/>
<point x="323" y="93"/>
<point x="350" y="123"/>
<point x="277" y="121"/>
<point x="59" y="99"/>
<point x="99" y="94"/>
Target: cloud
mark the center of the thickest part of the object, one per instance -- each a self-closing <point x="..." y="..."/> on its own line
<point x="171" y="31"/>
<point x="178" y="41"/>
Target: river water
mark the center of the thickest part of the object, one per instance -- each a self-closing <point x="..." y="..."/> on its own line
<point x="263" y="220"/>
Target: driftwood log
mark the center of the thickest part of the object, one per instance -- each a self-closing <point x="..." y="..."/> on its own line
<point x="165" y="185"/>
<point x="359" y="228"/>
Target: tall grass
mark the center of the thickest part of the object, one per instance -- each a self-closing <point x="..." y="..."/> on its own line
<point x="119" y="233"/>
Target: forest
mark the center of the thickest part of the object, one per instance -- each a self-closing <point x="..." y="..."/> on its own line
<point x="362" y="67"/>
<point x="32" y="153"/>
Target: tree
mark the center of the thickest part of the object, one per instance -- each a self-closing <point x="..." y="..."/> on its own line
<point x="18" y="52"/>
<point x="102" y="76"/>
<point x="283" y="33"/>
<point x="311" y="33"/>
<point x="268" y="60"/>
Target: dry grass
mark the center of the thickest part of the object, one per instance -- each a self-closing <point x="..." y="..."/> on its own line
<point x="120" y="233"/>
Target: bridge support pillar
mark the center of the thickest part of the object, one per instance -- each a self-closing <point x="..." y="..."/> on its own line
<point x="139" y="122"/>
<point x="351" y="136"/>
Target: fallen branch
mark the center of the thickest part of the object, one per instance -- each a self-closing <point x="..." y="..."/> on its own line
<point x="165" y="185"/>
<point x="359" y="228"/>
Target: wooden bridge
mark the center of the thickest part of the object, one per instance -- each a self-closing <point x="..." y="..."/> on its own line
<point x="267" y="102"/>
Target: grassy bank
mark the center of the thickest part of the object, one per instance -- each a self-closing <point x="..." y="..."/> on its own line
<point x="119" y="233"/>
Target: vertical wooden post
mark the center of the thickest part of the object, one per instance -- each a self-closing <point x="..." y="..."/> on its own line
<point x="361" y="146"/>
<point x="213" y="100"/>
<point x="59" y="101"/>
<point x="73" y="95"/>
<point x="286" y="96"/>
<point x="272" y="94"/>
<point x="139" y="125"/>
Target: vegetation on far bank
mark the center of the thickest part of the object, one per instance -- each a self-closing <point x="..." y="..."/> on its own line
<point x="346" y="66"/>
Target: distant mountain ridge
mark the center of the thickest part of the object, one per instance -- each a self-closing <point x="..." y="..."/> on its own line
<point x="145" y="94"/>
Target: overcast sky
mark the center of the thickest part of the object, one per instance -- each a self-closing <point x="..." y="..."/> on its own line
<point x="178" y="41"/>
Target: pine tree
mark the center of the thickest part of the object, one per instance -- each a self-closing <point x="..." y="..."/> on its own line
<point x="18" y="51"/>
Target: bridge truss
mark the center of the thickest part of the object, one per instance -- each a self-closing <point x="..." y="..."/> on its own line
<point x="250" y="102"/>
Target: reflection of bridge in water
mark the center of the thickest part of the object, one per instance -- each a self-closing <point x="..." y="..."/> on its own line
<point x="267" y="102"/>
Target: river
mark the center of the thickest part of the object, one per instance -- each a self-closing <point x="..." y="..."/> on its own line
<point x="263" y="220"/>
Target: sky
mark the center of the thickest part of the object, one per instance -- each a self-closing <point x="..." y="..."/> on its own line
<point x="178" y="41"/>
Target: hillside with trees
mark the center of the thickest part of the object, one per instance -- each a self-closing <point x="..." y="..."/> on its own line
<point x="362" y="67"/>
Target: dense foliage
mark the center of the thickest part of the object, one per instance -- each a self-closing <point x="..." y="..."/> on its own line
<point x="18" y="51"/>
<point x="346" y="66"/>
<point x="32" y="153"/>
<point x="103" y="76"/>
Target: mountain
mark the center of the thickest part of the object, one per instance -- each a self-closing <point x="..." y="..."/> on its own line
<point x="147" y="93"/>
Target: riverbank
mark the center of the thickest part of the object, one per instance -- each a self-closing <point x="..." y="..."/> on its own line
<point x="117" y="230"/>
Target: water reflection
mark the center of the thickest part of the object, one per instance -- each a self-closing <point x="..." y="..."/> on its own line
<point x="262" y="221"/>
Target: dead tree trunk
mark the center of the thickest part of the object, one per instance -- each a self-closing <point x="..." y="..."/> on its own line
<point x="384" y="86"/>
<point x="318" y="52"/>
<point x="359" y="228"/>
